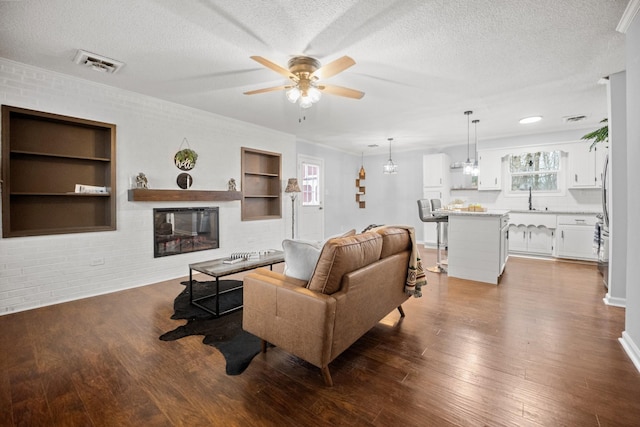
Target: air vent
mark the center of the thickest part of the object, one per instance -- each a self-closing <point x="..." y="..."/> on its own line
<point x="573" y="119"/>
<point x="97" y="62"/>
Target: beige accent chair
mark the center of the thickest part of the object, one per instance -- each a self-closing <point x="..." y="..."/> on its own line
<point x="357" y="281"/>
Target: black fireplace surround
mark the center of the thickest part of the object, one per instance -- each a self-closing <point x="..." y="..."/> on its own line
<point x="182" y="230"/>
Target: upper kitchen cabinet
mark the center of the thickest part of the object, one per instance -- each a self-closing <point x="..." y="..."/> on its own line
<point x="585" y="166"/>
<point x="490" y="175"/>
<point x="435" y="170"/>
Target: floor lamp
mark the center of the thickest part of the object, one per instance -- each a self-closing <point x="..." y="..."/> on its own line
<point x="292" y="189"/>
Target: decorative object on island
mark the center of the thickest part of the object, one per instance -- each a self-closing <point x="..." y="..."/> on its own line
<point x="44" y="156"/>
<point x="475" y="170"/>
<point x="599" y="135"/>
<point x="468" y="166"/>
<point x="184" y="181"/>
<point x="292" y="189"/>
<point x="185" y="158"/>
<point x="141" y="181"/>
<point x="231" y="185"/>
<point x="390" y="168"/>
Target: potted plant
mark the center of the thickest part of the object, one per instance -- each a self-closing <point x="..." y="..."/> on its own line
<point x="599" y="135"/>
<point x="185" y="159"/>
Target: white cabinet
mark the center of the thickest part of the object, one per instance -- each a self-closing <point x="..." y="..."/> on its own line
<point x="531" y="239"/>
<point x="574" y="237"/>
<point x="435" y="170"/>
<point x="490" y="166"/>
<point x="532" y="234"/>
<point x="585" y="167"/>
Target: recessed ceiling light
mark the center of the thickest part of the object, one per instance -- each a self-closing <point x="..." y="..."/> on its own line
<point x="531" y="119"/>
<point x="372" y="145"/>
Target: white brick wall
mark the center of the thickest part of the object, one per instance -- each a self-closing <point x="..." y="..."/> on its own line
<point x="38" y="271"/>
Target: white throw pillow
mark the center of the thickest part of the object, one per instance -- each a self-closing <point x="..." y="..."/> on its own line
<point x="300" y="258"/>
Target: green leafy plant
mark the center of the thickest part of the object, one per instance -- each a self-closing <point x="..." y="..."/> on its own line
<point x="599" y="135"/>
<point x="187" y="154"/>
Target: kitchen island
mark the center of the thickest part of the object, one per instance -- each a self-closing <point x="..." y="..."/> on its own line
<point x="478" y="244"/>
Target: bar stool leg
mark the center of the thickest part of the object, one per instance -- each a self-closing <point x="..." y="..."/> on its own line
<point x="438" y="268"/>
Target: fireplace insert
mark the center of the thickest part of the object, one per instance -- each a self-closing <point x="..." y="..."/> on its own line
<point x="182" y="230"/>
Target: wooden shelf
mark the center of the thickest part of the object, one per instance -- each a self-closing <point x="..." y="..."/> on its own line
<point x="44" y="157"/>
<point x="148" y="195"/>
<point x="261" y="185"/>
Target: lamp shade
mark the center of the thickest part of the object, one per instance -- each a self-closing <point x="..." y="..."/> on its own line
<point x="292" y="186"/>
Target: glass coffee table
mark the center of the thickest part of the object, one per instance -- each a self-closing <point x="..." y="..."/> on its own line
<point x="217" y="268"/>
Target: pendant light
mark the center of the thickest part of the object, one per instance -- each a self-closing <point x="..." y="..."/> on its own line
<point x="390" y="168"/>
<point x="362" y="174"/>
<point x="468" y="166"/>
<point x="475" y="170"/>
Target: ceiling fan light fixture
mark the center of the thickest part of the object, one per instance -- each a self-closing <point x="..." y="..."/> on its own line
<point x="314" y="94"/>
<point x="293" y="94"/>
<point x="305" y="102"/>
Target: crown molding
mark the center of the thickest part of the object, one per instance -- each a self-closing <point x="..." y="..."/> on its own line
<point x="628" y="16"/>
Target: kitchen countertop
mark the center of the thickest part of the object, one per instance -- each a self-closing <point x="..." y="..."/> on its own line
<point x="489" y="212"/>
<point x="556" y="212"/>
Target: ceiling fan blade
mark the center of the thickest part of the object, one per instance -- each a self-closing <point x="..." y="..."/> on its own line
<point x="267" y="89"/>
<point x="341" y="91"/>
<point x="275" y="67"/>
<point x="333" y="68"/>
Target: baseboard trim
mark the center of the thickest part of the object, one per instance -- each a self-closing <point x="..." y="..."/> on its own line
<point x="631" y="349"/>
<point x="614" y="301"/>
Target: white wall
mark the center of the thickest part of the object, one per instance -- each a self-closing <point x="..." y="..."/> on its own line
<point x="631" y="335"/>
<point x="43" y="270"/>
<point x="618" y="190"/>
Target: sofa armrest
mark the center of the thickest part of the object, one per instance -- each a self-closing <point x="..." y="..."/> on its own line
<point x="278" y="310"/>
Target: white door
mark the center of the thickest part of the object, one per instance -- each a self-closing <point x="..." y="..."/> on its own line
<point x="310" y="203"/>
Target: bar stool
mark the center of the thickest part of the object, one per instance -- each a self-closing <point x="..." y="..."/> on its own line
<point x="426" y="211"/>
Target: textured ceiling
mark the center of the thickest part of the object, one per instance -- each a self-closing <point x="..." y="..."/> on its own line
<point x="421" y="63"/>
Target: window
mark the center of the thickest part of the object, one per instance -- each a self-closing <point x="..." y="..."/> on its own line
<point x="538" y="171"/>
<point x="310" y="184"/>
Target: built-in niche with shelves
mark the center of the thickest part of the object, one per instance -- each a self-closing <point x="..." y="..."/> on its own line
<point x="261" y="188"/>
<point x="44" y="157"/>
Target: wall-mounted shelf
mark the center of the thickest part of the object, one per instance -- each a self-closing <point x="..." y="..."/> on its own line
<point x="148" y="195"/>
<point x="464" y="189"/>
<point x="360" y="192"/>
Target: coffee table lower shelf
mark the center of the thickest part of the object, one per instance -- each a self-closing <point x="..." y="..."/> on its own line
<point x="217" y="268"/>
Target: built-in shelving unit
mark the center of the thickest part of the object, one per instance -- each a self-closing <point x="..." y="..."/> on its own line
<point x="261" y="185"/>
<point x="44" y="157"/>
<point x="148" y="195"/>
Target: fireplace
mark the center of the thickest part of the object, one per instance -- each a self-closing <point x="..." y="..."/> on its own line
<point x="181" y="230"/>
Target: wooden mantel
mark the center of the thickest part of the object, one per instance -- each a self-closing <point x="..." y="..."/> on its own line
<point x="147" y="195"/>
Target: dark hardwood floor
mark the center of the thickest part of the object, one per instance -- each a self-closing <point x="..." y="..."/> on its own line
<point x="541" y="348"/>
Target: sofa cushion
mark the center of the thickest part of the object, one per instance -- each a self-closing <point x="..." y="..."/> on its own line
<point x="341" y="256"/>
<point x="351" y="232"/>
<point x="300" y="258"/>
<point x="394" y="240"/>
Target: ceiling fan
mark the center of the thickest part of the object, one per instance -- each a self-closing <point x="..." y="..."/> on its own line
<point x="304" y="73"/>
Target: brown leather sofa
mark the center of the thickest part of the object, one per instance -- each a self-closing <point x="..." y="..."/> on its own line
<point x="357" y="281"/>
